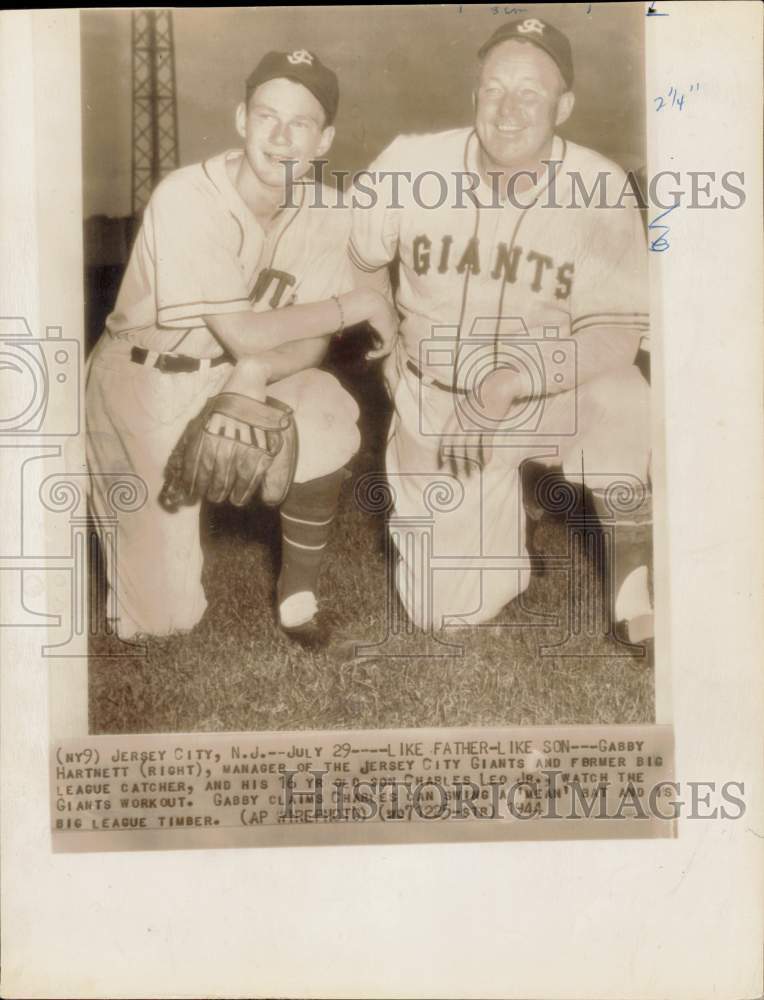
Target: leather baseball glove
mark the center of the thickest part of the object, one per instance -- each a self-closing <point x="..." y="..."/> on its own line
<point x="235" y="447"/>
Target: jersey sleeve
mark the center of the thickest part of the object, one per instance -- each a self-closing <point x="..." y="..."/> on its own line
<point x="610" y="288"/>
<point x="377" y="211"/>
<point x="194" y="246"/>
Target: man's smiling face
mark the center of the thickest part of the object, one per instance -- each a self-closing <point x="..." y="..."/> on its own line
<point x="520" y="100"/>
<point x="282" y="121"/>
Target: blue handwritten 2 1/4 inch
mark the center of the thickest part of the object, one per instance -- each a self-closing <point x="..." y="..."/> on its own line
<point x="674" y="99"/>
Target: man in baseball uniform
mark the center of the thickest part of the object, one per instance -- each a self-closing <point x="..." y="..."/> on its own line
<point x="225" y="246"/>
<point x="523" y="309"/>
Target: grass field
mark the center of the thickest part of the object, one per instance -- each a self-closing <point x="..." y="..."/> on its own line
<point x="235" y="672"/>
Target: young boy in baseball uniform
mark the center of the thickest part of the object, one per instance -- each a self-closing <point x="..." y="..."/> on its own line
<point x="522" y="316"/>
<point x="224" y="248"/>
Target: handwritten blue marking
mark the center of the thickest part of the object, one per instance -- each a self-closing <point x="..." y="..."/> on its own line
<point x="661" y="243"/>
<point x="652" y="12"/>
<point x="677" y="99"/>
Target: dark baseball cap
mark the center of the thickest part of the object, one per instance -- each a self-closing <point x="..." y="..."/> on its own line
<point x="540" y="33"/>
<point x="301" y="66"/>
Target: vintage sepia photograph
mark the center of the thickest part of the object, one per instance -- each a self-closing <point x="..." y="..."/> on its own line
<point x="380" y="449"/>
<point x="368" y="368"/>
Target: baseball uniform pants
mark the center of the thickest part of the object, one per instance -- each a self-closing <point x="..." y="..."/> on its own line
<point x="135" y="416"/>
<point x="456" y="535"/>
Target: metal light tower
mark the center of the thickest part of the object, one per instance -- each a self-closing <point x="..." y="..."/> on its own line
<point x="155" y="109"/>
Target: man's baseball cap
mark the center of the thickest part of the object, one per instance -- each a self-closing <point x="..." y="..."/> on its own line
<point x="540" y="33"/>
<point x="303" y="67"/>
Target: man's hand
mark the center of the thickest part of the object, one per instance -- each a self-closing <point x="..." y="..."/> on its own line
<point x="384" y="319"/>
<point x="466" y="443"/>
<point x="248" y="378"/>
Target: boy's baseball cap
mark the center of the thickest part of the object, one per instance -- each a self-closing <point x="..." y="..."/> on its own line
<point x="301" y="66"/>
<point x="540" y="33"/>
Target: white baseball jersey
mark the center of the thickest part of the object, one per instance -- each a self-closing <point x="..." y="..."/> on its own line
<point x="200" y="252"/>
<point x="463" y="268"/>
<point x="480" y="275"/>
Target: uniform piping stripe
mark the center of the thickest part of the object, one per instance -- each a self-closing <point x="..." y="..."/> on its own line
<point x="200" y="302"/>
<point x="621" y="325"/>
<point x="210" y="178"/>
<point x="359" y="262"/>
<point x="299" y="520"/>
<point x="124" y="334"/>
<point x="635" y="317"/>
<point x="604" y="318"/>
<point x="289" y="223"/>
<point x="185" y="311"/>
<point x="511" y="247"/>
<point x="612" y="312"/>
<point x="299" y="545"/>
<point x="468" y="271"/>
<point x="177" y="343"/>
<point x="208" y="175"/>
<point x="241" y="233"/>
<point x="504" y="287"/>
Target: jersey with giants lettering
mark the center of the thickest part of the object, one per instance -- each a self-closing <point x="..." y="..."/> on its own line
<point x="476" y="264"/>
<point x="201" y="252"/>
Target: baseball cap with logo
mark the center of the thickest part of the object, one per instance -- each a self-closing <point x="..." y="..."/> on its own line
<point x="303" y="67"/>
<point x="539" y="33"/>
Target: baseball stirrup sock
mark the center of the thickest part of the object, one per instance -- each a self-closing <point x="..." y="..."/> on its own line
<point x="306" y="519"/>
<point x="631" y="576"/>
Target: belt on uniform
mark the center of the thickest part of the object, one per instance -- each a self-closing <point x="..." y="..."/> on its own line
<point x="175" y="362"/>
<point x="429" y="380"/>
